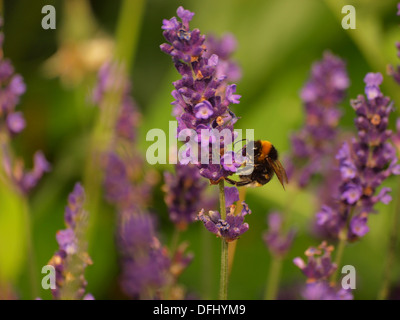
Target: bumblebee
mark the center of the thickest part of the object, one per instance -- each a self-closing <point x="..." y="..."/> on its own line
<point x="264" y="164"/>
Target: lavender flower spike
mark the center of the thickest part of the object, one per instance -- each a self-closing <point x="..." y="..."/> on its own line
<point x="313" y="144"/>
<point x="319" y="265"/>
<point x="275" y="239"/>
<point x="364" y="163"/>
<point x="318" y="269"/>
<point x="202" y="96"/>
<point x="12" y="122"/>
<point x="184" y="194"/>
<point x="71" y="259"/>
<point x="145" y="262"/>
<point x="392" y="71"/>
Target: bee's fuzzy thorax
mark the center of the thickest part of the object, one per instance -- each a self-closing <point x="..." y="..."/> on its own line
<point x="266" y="148"/>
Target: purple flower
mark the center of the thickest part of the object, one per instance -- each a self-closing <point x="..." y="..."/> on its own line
<point x="122" y="164"/>
<point x="231" y="161"/>
<point x="276" y="240"/>
<point x="229" y="229"/>
<point x="314" y="145"/>
<point x="67" y="241"/>
<point x="29" y="179"/>
<point x="319" y="265"/>
<point x="145" y="264"/>
<point x="12" y="122"/>
<point x="170" y="24"/>
<point x="231" y="196"/>
<point x="16" y="122"/>
<point x="395" y="72"/>
<point x="128" y="120"/>
<point x="352" y="193"/>
<point x="203" y="110"/>
<point x="321" y="290"/>
<point x="364" y="163"/>
<point x="184" y="194"/>
<point x="72" y="258"/>
<point x="230" y="94"/>
<point x="358" y="225"/>
<point x="185" y="15"/>
<point x="373" y="81"/>
<point x="202" y="95"/>
<point x="224" y="49"/>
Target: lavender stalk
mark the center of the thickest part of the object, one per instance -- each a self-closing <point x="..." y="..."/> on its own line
<point x="202" y="99"/>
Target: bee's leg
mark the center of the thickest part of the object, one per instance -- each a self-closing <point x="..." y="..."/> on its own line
<point x="243" y="183"/>
<point x="231" y="181"/>
<point x="240" y="183"/>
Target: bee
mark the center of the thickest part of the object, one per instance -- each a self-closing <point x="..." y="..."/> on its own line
<point x="264" y="162"/>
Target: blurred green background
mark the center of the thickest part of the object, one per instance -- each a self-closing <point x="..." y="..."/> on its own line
<point x="277" y="43"/>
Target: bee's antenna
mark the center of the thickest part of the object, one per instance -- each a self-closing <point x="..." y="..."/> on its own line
<point x="239" y="141"/>
<point x="234" y="144"/>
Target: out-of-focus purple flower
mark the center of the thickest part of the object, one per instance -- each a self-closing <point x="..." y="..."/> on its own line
<point x="229" y="229"/>
<point x="392" y="71"/>
<point x="88" y="296"/>
<point x="396" y="135"/>
<point x="71" y="260"/>
<point x="16" y="122"/>
<point x="318" y="269"/>
<point x="276" y="239"/>
<point x="145" y="263"/>
<point x="12" y="87"/>
<point x="12" y="122"/>
<point x="373" y="81"/>
<point x="27" y="180"/>
<point x="184" y="194"/>
<point x="314" y="144"/>
<point x="202" y="96"/>
<point x="364" y="163"/>
<point x="123" y="166"/>
<point x="319" y="265"/>
<point x="322" y="290"/>
<point x="67" y="241"/>
<point x="111" y="78"/>
<point x="352" y="193"/>
<point x="224" y="48"/>
<point x="358" y="225"/>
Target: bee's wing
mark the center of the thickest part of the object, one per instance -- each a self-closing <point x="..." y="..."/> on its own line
<point x="279" y="171"/>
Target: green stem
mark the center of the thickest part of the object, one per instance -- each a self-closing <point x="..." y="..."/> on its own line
<point x="33" y="275"/>
<point x="390" y="257"/>
<point x="273" y="278"/>
<point x="223" y="289"/>
<point x="339" y="253"/>
<point x="207" y="263"/>
<point x="128" y="30"/>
